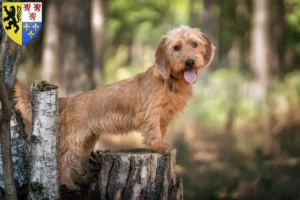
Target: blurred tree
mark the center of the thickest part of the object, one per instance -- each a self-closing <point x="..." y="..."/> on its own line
<point x="242" y="19"/>
<point x="261" y="46"/>
<point x="227" y="33"/>
<point x="207" y="15"/>
<point x="209" y="26"/>
<point x="98" y="44"/>
<point x="72" y="54"/>
<point x="192" y="14"/>
<point x="50" y="54"/>
<point x="279" y="36"/>
<point x="208" y="19"/>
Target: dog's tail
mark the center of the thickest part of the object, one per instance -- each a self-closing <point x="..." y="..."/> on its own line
<point x="22" y="99"/>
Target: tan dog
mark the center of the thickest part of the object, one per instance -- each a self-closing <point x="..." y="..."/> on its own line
<point x="145" y="102"/>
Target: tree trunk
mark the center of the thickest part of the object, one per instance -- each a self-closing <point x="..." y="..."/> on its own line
<point x="280" y="38"/>
<point x="50" y="64"/>
<point x="242" y="28"/>
<point x="19" y="143"/>
<point x="72" y="55"/>
<point x="97" y="22"/>
<point x="44" y="174"/>
<point x="209" y="27"/>
<point x="261" y="47"/>
<point x="135" y="174"/>
<point x="192" y="15"/>
<point x="5" y="116"/>
<point x="20" y="154"/>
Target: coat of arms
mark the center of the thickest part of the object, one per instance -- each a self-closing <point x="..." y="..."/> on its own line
<point x="22" y="21"/>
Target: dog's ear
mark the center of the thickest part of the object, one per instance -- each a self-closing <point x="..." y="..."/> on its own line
<point x="161" y="59"/>
<point x="210" y="51"/>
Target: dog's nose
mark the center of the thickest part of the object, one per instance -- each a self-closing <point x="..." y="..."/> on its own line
<point x="189" y="63"/>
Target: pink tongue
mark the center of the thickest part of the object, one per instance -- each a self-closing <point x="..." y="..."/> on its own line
<point x="190" y="76"/>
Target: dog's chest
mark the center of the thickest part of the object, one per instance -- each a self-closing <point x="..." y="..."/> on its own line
<point x="172" y="104"/>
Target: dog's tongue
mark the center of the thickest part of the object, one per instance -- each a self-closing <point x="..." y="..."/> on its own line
<point x="190" y="76"/>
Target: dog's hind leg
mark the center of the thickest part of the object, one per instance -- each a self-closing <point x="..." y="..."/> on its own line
<point x="75" y="147"/>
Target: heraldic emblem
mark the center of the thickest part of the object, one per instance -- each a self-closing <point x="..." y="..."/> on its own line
<point x="22" y="21"/>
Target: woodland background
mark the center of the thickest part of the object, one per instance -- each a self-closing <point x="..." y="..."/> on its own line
<point x="239" y="138"/>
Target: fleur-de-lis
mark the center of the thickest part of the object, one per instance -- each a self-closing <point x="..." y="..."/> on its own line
<point x="26" y="27"/>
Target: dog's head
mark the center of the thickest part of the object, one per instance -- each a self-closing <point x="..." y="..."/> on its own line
<point x="182" y="52"/>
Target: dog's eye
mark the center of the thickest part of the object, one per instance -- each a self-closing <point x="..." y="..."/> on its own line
<point x="177" y="48"/>
<point x="194" y="44"/>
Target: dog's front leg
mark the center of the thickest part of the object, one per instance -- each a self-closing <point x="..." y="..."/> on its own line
<point x="163" y="128"/>
<point x="153" y="137"/>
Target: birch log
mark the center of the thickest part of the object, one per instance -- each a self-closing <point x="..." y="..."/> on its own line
<point x="44" y="174"/>
<point x="135" y="174"/>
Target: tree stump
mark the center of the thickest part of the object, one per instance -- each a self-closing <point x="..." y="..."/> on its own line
<point x="44" y="142"/>
<point x="134" y="174"/>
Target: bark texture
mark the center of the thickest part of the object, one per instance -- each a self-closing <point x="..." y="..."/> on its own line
<point x="261" y="47"/>
<point x="134" y="175"/>
<point x="44" y="176"/>
<point x="19" y="143"/>
<point x="5" y="116"/>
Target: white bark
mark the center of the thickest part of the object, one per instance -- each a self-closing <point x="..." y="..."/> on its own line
<point x="260" y="47"/>
<point x="44" y="174"/>
<point x="97" y="26"/>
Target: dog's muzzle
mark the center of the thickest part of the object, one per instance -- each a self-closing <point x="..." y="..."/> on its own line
<point x="190" y="73"/>
<point x="189" y="63"/>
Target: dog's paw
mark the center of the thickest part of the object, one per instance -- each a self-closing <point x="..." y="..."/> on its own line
<point x="163" y="148"/>
<point x="71" y="187"/>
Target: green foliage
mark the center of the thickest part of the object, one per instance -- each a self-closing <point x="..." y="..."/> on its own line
<point x="289" y="89"/>
<point x="125" y="17"/>
<point x="292" y="84"/>
<point x="212" y="103"/>
<point x="293" y="15"/>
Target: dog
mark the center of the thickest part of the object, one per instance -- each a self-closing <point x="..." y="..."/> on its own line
<point x="146" y="102"/>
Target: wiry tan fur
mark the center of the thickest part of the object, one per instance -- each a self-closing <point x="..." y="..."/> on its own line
<point x="143" y="102"/>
